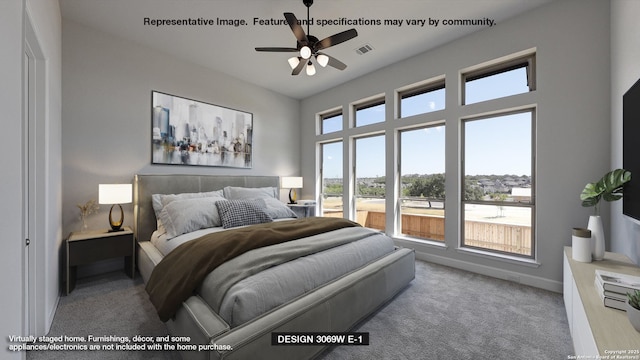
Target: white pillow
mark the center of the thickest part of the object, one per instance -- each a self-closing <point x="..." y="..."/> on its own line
<point x="235" y="213"/>
<point x="159" y="201"/>
<point x="187" y="215"/>
<point x="240" y="193"/>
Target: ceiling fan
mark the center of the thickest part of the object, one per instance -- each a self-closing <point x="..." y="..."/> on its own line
<point x="308" y="46"/>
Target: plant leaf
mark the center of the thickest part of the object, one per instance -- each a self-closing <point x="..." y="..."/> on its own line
<point x="608" y="188"/>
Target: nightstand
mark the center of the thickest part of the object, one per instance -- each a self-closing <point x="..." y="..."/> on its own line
<point x="303" y="211"/>
<point x="87" y="247"/>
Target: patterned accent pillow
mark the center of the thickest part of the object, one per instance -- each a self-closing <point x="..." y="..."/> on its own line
<point x="235" y="213"/>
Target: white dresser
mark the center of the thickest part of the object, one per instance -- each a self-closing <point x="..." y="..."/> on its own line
<point x="596" y="329"/>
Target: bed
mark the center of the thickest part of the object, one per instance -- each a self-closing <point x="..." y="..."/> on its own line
<point x="330" y="276"/>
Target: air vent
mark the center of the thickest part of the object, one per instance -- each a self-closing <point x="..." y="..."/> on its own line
<point x="364" y="49"/>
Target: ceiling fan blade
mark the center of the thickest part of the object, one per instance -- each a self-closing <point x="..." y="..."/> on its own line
<point x="277" y="49"/>
<point x="334" y="62"/>
<point x="336" y="39"/>
<point x="300" y="66"/>
<point x="296" y="28"/>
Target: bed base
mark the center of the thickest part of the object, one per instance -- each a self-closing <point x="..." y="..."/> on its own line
<point x="335" y="307"/>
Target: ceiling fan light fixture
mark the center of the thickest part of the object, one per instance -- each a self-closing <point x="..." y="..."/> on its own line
<point x="323" y="60"/>
<point x="293" y="62"/>
<point x="311" y="70"/>
<point x="305" y="52"/>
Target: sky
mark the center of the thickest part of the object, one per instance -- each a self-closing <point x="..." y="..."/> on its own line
<point x="500" y="145"/>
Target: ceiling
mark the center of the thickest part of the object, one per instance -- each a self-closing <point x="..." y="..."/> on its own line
<point x="230" y="49"/>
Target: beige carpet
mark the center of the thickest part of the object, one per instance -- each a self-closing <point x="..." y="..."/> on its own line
<point x="444" y="314"/>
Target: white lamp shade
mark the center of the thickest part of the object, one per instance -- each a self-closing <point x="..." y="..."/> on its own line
<point x="323" y="60"/>
<point x="293" y="62"/>
<point x="114" y="193"/>
<point x="291" y="182"/>
<point x="311" y="70"/>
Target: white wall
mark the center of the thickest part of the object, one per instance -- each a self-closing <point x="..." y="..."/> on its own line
<point x="106" y="129"/>
<point x="45" y="16"/>
<point x="573" y="142"/>
<point x="47" y="23"/>
<point x="11" y="189"/>
<point x="625" y="71"/>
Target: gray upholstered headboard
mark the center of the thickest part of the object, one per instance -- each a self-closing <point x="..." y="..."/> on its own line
<point x="146" y="185"/>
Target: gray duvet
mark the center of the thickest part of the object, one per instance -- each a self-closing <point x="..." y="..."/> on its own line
<point x="265" y="278"/>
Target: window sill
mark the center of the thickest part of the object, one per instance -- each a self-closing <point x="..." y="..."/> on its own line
<point x="430" y="243"/>
<point x="500" y="257"/>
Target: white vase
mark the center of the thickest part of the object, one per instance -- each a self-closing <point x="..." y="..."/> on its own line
<point x="597" y="236"/>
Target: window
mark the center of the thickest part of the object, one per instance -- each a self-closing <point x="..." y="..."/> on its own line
<point x="370" y="181"/>
<point x="422" y="100"/>
<point x="489" y="82"/>
<point x="489" y="207"/>
<point x="498" y="182"/>
<point x="422" y="174"/>
<point x="331" y="122"/>
<point x="369" y="113"/>
<point x="331" y="175"/>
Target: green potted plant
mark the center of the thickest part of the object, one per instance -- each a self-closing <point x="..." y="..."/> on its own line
<point x="633" y="309"/>
<point x="608" y="188"/>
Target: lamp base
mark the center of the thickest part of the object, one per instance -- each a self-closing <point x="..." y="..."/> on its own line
<point x="293" y="196"/>
<point x="116" y="225"/>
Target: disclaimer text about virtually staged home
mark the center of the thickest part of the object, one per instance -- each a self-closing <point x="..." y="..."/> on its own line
<point x="171" y="343"/>
<point x="341" y="21"/>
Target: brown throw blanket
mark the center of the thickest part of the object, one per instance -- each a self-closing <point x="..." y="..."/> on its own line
<point x="176" y="277"/>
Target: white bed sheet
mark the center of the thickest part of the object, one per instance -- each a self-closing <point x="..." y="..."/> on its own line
<point x="159" y="237"/>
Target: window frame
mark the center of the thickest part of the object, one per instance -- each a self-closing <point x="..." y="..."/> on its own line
<point x="322" y="174"/>
<point x="530" y="204"/>
<point x="411" y="91"/>
<point x="378" y="100"/>
<point x="527" y="61"/>
<point x="328" y="115"/>
<point x="355" y="195"/>
<point x="400" y="198"/>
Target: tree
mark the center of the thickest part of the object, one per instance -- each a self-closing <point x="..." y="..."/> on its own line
<point x="430" y="186"/>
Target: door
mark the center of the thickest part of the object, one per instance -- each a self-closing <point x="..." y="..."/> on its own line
<point x="33" y="184"/>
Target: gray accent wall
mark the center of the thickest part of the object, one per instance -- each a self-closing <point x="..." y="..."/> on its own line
<point x="573" y="128"/>
<point x="106" y="128"/>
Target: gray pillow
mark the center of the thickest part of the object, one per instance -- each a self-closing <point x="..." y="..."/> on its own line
<point x="187" y="215"/>
<point x="235" y="213"/>
<point x="159" y="201"/>
<point x="277" y="209"/>
<point x="239" y="193"/>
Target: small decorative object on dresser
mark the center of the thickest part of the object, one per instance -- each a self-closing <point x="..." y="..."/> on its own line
<point x="85" y="210"/>
<point x="608" y="188"/>
<point x="633" y="309"/>
<point x="581" y="244"/>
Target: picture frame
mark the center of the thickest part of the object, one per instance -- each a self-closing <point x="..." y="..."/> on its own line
<point x="191" y="132"/>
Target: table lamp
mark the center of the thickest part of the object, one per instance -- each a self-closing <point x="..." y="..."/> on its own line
<point x="115" y="194"/>
<point x="292" y="183"/>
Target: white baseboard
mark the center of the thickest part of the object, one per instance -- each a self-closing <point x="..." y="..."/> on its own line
<point x="535" y="281"/>
<point x="52" y="314"/>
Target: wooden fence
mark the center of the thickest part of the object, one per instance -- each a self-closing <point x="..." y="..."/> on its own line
<point x="487" y="235"/>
